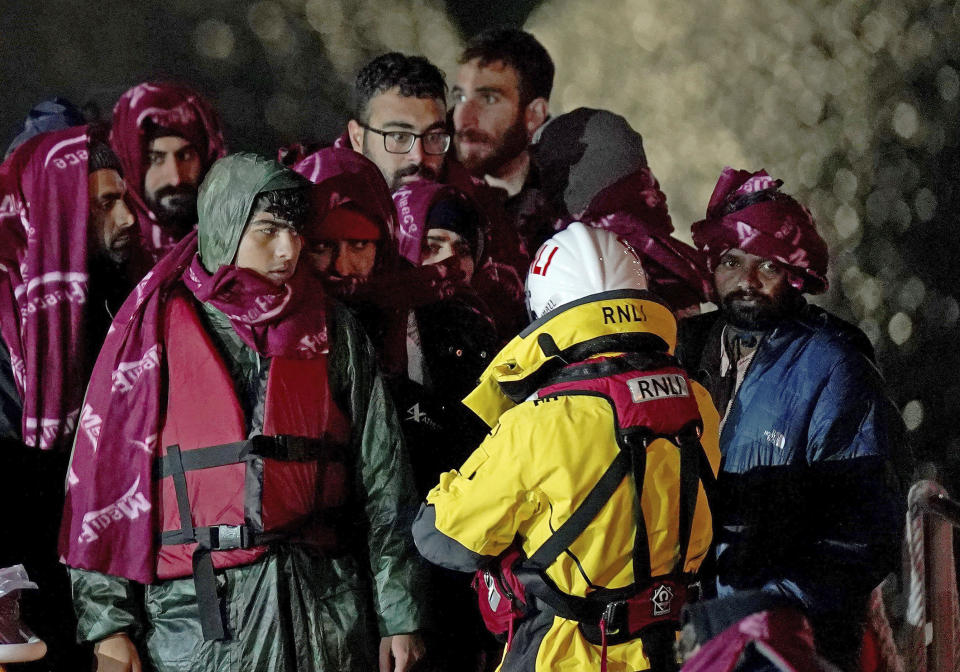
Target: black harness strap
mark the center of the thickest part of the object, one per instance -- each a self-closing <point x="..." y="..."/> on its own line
<point x="211" y="607"/>
<point x="284" y="447"/>
<point x="174" y="460"/>
<point x="201" y="458"/>
<point x="596" y="608"/>
<point x="574" y="526"/>
<point x="637" y="442"/>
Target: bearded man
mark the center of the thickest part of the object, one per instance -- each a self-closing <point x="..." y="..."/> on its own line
<point x="399" y="119"/>
<point x="167" y="136"/>
<point x="500" y="100"/>
<point x="808" y="503"/>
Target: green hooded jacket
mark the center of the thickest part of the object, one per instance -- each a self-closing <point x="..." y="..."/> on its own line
<point x="290" y="610"/>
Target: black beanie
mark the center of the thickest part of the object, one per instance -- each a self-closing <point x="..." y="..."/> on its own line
<point x="455" y="213"/>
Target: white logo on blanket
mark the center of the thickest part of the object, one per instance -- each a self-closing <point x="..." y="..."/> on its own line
<point x="129" y="506"/>
<point x="90" y="423"/>
<point x="127" y="373"/>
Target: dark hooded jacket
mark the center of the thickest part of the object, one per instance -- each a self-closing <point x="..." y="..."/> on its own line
<point x="449" y="343"/>
<point x="291" y="609"/>
<point x="593" y="169"/>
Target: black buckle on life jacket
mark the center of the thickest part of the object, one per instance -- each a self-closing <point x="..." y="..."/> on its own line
<point x="614" y="616"/>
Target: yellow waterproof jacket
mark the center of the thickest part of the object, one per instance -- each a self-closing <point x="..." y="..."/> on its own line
<point x="543" y="457"/>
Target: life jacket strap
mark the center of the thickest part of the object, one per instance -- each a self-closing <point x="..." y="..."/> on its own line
<point x="212" y="538"/>
<point x="286" y="448"/>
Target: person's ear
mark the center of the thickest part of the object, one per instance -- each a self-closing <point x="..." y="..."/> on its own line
<point x="535" y="115"/>
<point x="355" y="133"/>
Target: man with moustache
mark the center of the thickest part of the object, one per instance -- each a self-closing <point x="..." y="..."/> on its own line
<point x="67" y="237"/>
<point x="808" y="503"/>
<point x="399" y="119"/>
<point x="167" y="137"/>
<point x="500" y="100"/>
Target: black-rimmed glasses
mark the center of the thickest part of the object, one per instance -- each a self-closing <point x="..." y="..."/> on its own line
<point x="401" y="142"/>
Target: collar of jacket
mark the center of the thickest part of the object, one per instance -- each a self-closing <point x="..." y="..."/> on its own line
<point x="609" y="322"/>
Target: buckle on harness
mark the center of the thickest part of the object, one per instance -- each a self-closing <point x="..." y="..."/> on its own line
<point x="228" y="537"/>
<point x="610" y="615"/>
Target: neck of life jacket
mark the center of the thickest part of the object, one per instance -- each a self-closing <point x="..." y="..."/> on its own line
<point x="224" y="497"/>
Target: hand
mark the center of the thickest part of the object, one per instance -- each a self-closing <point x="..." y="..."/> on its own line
<point x="400" y="652"/>
<point x="117" y="653"/>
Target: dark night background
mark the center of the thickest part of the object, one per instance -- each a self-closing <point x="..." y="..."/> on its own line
<point x="854" y="105"/>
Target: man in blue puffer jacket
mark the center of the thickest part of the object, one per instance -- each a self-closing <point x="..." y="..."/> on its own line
<point x="809" y="504"/>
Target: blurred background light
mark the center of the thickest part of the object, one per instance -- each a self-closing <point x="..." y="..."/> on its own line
<point x="913" y="414"/>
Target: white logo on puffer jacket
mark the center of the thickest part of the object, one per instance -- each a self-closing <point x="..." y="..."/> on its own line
<point x="776" y="438"/>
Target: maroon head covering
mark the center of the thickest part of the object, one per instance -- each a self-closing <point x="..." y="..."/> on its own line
<point x="44" y="280"/>
<point x="175" y="108"/>
<point x="748" y="212"/>
<point x="414" y="202"/>
<point x="344" y="177"/>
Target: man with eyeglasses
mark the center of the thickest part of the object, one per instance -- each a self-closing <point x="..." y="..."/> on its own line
<point x="399" y="122"/>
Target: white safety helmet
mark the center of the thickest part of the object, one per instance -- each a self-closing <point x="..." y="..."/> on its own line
<point x="577" y="262"/>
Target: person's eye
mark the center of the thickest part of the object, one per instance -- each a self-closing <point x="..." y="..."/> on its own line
<point x="770" y="268"/>
<point x="729" y="262"/>
<point x="359" y="245"/>
<point x="187" y="154"/>
<point x="268" y="230"/>
<point x="459" y="98"/>
<point x="156" y="159"/>
<point x="321" y="247"/>
<point x="399" y="137"/>
<point x="489" y="99"/>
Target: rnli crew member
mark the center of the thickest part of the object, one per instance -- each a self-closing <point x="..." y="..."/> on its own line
<point x="234" y="494"/>
<point x="582" y="470"/>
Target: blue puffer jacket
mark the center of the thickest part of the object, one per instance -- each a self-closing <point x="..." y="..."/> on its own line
<point x="809" y="500"/>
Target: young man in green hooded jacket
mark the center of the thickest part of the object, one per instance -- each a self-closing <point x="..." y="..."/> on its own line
<point x="308" y="591"/>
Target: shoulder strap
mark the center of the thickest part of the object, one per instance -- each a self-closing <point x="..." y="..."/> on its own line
<point x="574" y="526"/>
<point x="632" y="457"/>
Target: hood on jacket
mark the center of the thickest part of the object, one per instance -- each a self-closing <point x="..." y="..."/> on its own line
<point x="593" y="168"/>
<point x="345" y="177"/>
<point x="581" y="153"/>
<point x="226" y="198"/>
<point x="624" y="320"/>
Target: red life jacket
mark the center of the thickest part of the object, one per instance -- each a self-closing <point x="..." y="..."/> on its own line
<point x="222" y="497"/>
